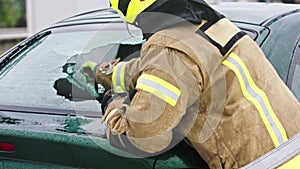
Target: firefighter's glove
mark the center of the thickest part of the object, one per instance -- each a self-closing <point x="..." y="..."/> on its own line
<point x="114" y="116"/>
<point x="88" y="70"/>
<point x="104" y="73"/>
<point x="109" y="96"/>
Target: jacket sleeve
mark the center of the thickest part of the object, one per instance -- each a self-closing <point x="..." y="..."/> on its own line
<point x="149" y="123"/>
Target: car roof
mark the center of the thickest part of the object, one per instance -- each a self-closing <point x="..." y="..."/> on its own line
<point x="107" y="15"/>
<point x="247" y="12"/>
<point x="254" y="12"/>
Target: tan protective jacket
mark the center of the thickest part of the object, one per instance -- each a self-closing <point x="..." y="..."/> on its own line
<point x="228" y="102"/>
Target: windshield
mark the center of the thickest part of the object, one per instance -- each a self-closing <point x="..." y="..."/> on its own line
<point x="28" y="80"/>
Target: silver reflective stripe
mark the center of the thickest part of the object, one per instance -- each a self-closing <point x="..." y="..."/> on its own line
<point x="118" y="78"/>
<point x="259" y="99"/>
<point x="160" y="88"/>
<point x="277" y="156"/>
<point x="118" y="74"/>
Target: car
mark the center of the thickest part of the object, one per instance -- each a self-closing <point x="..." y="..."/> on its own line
<point x="274" y="28"/>
<point x="43" y="127"/>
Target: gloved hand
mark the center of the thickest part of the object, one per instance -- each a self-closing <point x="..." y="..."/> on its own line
<point x="104" y="73"/>
<point x="75" y="86"/>
<point x="70" y="91"/>
<point x="89" y="71"/>
<point x="113" y="116"/>
<point x="109" y="96"/>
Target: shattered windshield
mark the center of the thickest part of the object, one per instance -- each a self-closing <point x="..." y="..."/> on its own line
<point x="28" y="80"/>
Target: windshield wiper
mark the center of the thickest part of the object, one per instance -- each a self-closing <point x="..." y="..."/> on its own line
<point x="11" y="54"/>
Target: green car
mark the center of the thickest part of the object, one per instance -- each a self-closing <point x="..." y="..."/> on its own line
<point x="43" y="127"/>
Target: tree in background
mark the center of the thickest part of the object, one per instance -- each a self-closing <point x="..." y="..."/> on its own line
<point x="12" y="13"/>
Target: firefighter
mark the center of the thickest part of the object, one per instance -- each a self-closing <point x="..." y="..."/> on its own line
<point x="198" y="78"/>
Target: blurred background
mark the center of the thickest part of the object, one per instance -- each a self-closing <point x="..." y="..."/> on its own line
<point x="22" y="18"/>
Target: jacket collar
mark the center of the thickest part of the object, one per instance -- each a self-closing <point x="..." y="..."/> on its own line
<point x="174" y="12"/>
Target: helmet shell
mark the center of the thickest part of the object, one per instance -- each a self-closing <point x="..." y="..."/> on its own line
<point x="130" y="9"/>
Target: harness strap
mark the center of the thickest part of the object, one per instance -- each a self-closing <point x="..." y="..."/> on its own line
<point x="223" y="34"/>
<point x="207" y="25"/>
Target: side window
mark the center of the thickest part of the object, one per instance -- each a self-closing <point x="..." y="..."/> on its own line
<point x="279" y="47"/>
<point x="294" y="75"/>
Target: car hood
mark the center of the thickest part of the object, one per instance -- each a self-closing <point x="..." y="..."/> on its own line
<point x="75" y="130"/>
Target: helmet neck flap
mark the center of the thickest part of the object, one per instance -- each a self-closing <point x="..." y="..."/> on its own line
<point x="168" y="13"/>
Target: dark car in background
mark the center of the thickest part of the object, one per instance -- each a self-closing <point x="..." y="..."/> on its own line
<point x="43" y="128"/>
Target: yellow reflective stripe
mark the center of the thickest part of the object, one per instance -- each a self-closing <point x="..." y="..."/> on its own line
<point x="118" y="78"/>
<point x="115" y="5"/>
<point x="159" y="87"/>
<point x="255" y="95"/>
<point x="135" y="7"/>
<point x="291" y="164"/>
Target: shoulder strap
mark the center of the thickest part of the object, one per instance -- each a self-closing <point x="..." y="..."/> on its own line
<point x="223" y="34"/>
